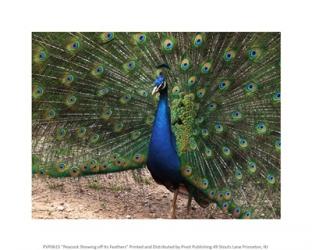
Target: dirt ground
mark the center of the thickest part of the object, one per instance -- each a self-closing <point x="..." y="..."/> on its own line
<point x="119" y="196"/>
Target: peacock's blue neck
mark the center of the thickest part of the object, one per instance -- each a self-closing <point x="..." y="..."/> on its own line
<point x="163" y="160"/>
<point x="162" y="126"/>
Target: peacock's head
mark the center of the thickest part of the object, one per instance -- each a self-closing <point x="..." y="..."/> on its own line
<point x="160" y="81"/>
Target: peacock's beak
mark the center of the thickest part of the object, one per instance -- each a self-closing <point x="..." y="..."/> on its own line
<point x="156" y="89"/>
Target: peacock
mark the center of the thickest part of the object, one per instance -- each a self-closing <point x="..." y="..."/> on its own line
<point x="200" y="111"/>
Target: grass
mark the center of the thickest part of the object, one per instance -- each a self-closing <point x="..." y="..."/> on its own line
<point x="94" y="185"/>
<point x="117" y="188"/>
<point x="141" y="180"/>
<point x="56" y="186"/>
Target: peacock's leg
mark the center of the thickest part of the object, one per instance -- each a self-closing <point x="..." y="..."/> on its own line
<point x="189" y="202"/>
<point x="174" y="201"/>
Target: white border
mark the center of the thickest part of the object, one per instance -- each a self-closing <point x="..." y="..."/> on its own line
<point x="20" y="18"/>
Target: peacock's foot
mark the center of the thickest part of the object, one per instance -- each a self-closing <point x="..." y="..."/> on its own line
<point x="174" y="203"/>
<point x="189" y="203"/>
<point x="173" y="216"/>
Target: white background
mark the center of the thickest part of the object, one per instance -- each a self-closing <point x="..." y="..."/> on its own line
<point x="20" y="18"/>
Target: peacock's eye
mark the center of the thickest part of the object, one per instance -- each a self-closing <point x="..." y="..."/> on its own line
<point x="51" y="113"/>
<point x="185" y="64"/>
<point x="176" y="90"/>
<point x="208" y="152"/>
<point x="42" y="56"/>
<point x="191" y="80"/>
<point x="70" y="78"/>
<point x="238" y="174"/>
<point x="205" y="68"/>
<point x="198" y="40"/>
<point x="99" y="69"/>
<point x="250" y="88"/>
<point x="107" y="36"/>
<point x="141" y="38"/>
<point x="212" y="106"/>
<point x="131" y="65"/>
<point x="61" y="133"/>
<point x="261" y="128"/>
<point x="102" y="92"/>
<point x="75" y="45"/>
<point x="252" y="167"/>
<point x="243" y="143"/>
<point x="224" y="85"/>
<point x="226" y="151"/>
<point x="168" y="44"/>
<point x="71" y="100"/>
<point x="277" y="97"/>
<point x="38" y="91"/>
<point x="218" y="128"/>
<point x="107" y="112"/>
<point x="205" y="132"/>
<point x="229" y="55"/>
<point x="278" y="145"/>
<point x="270" y="179"/>
<point x="205" y="183"/>
<point x="252" y="54"/>
<point x="95" y="138"/>
<point x="247" y="215"/>
<point x="236" y="115"/>
<point x="212" y="194"/>
<point x="187" y="171"/>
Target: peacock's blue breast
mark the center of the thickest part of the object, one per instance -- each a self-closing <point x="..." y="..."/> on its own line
<point x="163" y="161"/>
